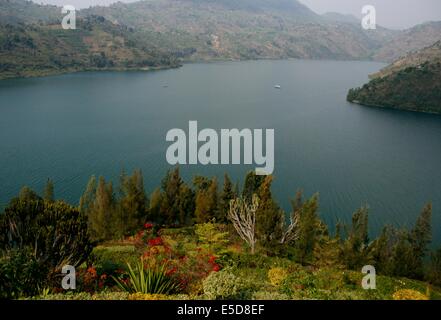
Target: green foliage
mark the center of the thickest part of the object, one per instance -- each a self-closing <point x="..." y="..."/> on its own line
<point x="176" y="200"/>
<point x="210" y="235"/>
<point x="152" y="281"/>
<point x="206" y="201"/>
<point x="37" y="238"/>
<point x="228" y="193"/>
<point x="224" y="285"/>
<point x="101" y="210"/>
<point x="269" y="219"/>
<point x="355" y="249"/>
<point x="49" y="191"/>
<point x="414" y="88"/>
<point x="309" y="228"/>
<point x="131" y="210"/>
<point x="21" y="274"/>
<point x="55" y="232"/>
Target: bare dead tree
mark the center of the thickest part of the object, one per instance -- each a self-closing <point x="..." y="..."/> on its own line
<point x="243" y="216"/>
<point x="292" y="231"/>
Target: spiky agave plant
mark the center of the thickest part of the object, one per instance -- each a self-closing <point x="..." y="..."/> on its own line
<point x="149" y="281"/>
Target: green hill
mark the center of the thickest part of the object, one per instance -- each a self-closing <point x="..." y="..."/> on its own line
<point x="411" y="83"/>
<point x="96" y="44"/>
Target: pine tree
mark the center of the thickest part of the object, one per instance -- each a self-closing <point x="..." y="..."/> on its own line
<point x="171" y="186"/>
<point x="309" y="228"/>
<point x="132" y="209"/>
<point x="102" y="211"/>
<point x="269" y="219"/>
<point x="206" y="202"/>
<point x="226" y="196"/>
<point x="27" y="194"/>
<point x="186" y="205"/>
<point x="251" y="185"/>
<point x="356" y="250"/>
<point x="49" y="191"/>
<point x="88" y="197"/>
<point x="421" y="236"/>
<point x="155" y="207"/>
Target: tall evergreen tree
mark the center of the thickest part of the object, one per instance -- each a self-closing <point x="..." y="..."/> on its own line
<point x="132" y="208"/>
<point x="251" y="185"/>
<point x="186" y="205"/>
<point x="102" y="211"/>
<point x="88" y="197"/>
<point x="421" y="236"/>
<point x="171" y="186"/>
<point x="226" y="196"/>
<point x="155" y="207"/>
<point x="356" y="250"/>
<point x="49" y="191"/>
<point x="269" y="219"/>
<point x="206" y="201"/>
<point x="309" y="228"/>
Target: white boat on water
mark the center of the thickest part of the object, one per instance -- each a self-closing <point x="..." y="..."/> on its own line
<point x="278" y="86"/>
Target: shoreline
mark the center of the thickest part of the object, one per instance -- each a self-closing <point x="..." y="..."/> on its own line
<point x="48" y="73"/>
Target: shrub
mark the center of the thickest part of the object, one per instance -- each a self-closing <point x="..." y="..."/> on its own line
<point x="409" y="294"/>
<point x="21" y="274"/>
<point x="277" y="275"/>
<point x="224" y="285"/>
<point x="54" y="232"/>
<point x="151" y="280"/>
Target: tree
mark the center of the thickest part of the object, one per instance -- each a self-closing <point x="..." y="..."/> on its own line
<point x="269" y="218"/>
<point x="49" y="191"/>
<point x="56" y="232"/>
<point x="251" y="185"/>
<point x="186" y="205"/>
<point x="132" y="207"/>
<point x="309" y="228"/>
<point x="243" y="217"/>
<point x="171" y="186"/>
<point x="88" y="197"/>
<point x="27" y="194"/>
<point x="434" y="270"/>
<point x="206" y="202"/>
<point x="226" y="196"/>
<point x="155" y="207"/>
<point x="356" y="250"/>
<point x="102" y="212"/>
<point x="421" y="236"/>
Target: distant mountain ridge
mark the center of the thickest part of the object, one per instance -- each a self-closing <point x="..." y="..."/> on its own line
<point x="207" y="30"/>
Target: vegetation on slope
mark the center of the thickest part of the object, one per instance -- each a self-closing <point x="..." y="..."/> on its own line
<point x="183" y="243"/>
<point x="96" y="44"/>
<point x="411" y="83"/>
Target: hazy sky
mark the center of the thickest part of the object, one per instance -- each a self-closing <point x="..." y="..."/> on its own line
<point x="390" y="13"/>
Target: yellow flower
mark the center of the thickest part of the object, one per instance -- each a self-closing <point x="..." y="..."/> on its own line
<point x="409" y="294"/>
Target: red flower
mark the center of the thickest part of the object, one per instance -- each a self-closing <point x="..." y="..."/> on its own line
<point x="212" y="260"/>
<point x="92" y="271"/>
<point x="155" y="242"/>
<point x="216" y="268"/>
<point x="148" y="225"/>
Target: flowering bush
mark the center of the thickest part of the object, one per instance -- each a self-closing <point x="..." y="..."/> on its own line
<point x="409" y="294"/>
<point x="224" y="285"/>
<point x="277" y="275"/>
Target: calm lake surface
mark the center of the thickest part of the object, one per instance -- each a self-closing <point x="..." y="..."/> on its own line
<point x="70" y="127"/>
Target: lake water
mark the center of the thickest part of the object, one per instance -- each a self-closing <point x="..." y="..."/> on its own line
<point x="72" y="126"/>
